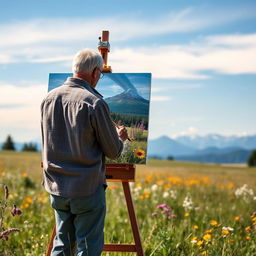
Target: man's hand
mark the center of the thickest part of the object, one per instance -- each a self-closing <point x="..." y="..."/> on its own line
<point x="122" y="133"/>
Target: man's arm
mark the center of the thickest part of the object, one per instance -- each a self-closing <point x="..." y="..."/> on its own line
<point x="106" y="133"/>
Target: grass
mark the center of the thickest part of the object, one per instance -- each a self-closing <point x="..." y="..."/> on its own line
<point x="197" y="208"/>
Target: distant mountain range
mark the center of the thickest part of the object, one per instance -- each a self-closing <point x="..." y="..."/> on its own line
<point x="212" y="148"/>
<point x="128" y="102"/>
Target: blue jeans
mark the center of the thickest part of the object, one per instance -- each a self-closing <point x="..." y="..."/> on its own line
<point x="79" y="224"/>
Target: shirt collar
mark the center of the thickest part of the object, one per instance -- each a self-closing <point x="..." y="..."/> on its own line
<point x="79" y="81"/>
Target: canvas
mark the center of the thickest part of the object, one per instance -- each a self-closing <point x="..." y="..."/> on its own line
<point x="128" y="97"/>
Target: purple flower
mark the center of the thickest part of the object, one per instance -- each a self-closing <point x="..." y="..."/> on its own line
<point x="16" y="211"/>
<point x="160" y="206"/>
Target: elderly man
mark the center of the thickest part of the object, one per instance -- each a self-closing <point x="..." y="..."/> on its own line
<point x="77" y="134"/>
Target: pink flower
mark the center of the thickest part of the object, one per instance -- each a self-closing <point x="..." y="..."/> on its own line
<point x="154" y="213"/>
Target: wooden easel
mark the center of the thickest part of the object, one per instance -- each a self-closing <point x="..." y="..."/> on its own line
<point x="124" y="173"/>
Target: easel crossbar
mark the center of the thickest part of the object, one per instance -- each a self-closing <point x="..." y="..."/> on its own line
<point x="119" y="248"/>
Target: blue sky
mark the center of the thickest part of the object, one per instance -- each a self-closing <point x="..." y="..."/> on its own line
<point x="201" y="55"/>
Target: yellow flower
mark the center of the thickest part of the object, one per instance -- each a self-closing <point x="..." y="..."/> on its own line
<point x="112" y="186"/>
<point x="139" y="153"/>
<point x="214" y="223"/>
<point x="207" y="237"/>
<point x="186" y="214"/>
<point x="254" y="218"/>
<point x="236" y="218"/>
<point x="224" y="232"/>
<point x="28" y="200"/>
<point x="44" y="200"/>
<point x="209" y="231"/>
<point x="26" y="205"/>
<point x="248" y="237"/>
<point x="24" y="175"/>
<point x="231" y="241"/>
<point x="195" y="227"/>
<point x="204" y="253"/>
<point x="248" y="228"/>
<point x="200" y="242"/>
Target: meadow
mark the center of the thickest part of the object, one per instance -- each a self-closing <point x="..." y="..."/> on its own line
<point x="183" y="209"/>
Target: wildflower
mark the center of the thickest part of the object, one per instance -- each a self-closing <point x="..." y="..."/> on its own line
<point x="228" y="228"/>
<point x="209" y="231"/>
<point x="173" y="194"/>
<point x="236" y="218"/>
<point x="244" y="192"/>
<point x="146" y="193"/>
<point x="28" y="200"/>
<point x="248" y="229"/>
<point x="4" y="235"/>
<point x="154" y="213"/>
<point x="204" y="253"/>
<point x="188" y="203"/>
<point x="165" y="194"/>
<point x="195" y="227"/>
<point x="248" y="237"/>
<point x="224" y="232"/>
<point x="254" y="218"/>
<point x="186" y="214"/>
<point x="161" y="206"/>
<point x="194" y="240"/>
<point x="214" y="223"/>
<point x="16" y="211"/>
<point x="24" y="175"/>
<point x="139" y="153"/>
<point x="200" y="242"/>
<point x="154" y="187"/>
<point x="207" y="237"/>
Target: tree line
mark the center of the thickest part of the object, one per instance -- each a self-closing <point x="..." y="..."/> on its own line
<point x="10" y="145"/>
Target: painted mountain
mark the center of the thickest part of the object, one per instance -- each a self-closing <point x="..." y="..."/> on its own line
<point x="128" y="102"/>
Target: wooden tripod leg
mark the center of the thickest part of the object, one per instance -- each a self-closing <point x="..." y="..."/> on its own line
<point x="49" y="249"/>
<point x="135" y="229"/>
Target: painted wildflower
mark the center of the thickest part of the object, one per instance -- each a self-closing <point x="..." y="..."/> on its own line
<point x="139" y="153"/>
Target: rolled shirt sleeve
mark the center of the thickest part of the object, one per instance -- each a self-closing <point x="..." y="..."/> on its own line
<point x="106" y="133"/>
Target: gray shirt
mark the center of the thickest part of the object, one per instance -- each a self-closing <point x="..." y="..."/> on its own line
<point x="77" y="134"/>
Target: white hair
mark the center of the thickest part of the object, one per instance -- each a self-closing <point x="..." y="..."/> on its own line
<point x="86" y="60"/>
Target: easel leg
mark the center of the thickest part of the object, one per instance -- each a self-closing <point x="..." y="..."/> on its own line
<point x="49" y="250"/>
<point x="135" y="229"/>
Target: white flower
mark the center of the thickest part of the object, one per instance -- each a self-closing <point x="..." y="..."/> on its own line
<point x="227" y="228"/>
<point x="193" y="241"/>
<point x="165" y="194"/>
<point x="244" y="192"/>
<point x="173" y="194"/>
<point x="188" y="203"/>
<point x="154" y="187"/>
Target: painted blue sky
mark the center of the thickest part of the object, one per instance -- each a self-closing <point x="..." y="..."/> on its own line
<point x="201" y="55"/>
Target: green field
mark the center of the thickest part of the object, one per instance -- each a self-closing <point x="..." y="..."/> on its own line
<point x="203" y="209"/>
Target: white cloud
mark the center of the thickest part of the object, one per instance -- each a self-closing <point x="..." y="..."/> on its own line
<point x="27" y="113"/>
<point x="47" y="40"/>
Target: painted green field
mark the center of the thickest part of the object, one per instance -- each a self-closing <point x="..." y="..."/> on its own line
<point x="182" y="208"/>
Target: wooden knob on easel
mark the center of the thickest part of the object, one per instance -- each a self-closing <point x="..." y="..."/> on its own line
<point x="104" y="49"/>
